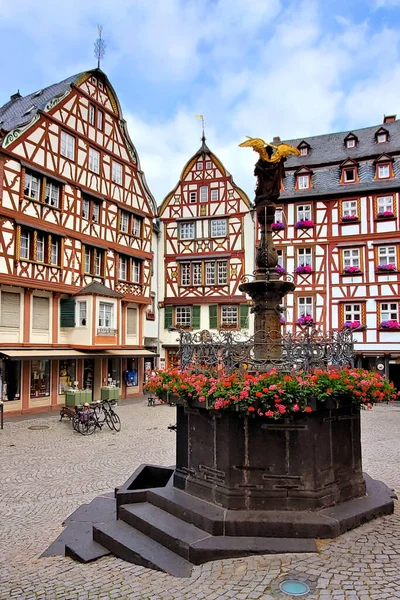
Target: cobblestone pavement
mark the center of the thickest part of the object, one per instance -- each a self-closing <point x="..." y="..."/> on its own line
<point x="47" y="474"/>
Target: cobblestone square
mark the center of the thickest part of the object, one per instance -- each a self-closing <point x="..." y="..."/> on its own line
<point x="47" y="473"/>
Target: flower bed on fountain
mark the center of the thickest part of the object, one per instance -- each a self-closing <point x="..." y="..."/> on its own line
<point x="273" y="394"/>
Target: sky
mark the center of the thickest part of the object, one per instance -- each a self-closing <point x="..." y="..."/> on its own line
<point x="264" y="68"/>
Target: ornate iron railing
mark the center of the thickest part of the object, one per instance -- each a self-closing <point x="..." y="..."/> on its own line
<point x="205" y="351"/>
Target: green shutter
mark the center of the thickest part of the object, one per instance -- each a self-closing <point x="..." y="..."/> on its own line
<point x="167" y="317"/>
<point x="213" y="314"/>
<point x="244" y="316"/>
<point x="67" y="313"/>
<point x="195" y="317"/>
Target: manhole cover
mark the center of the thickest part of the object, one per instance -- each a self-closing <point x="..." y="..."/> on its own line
<point x="38" y="427"/>
<point x="295" y="588"/>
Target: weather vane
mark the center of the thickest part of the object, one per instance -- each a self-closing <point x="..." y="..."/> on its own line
<point x="99" y="46"/>
<point x="201" y="117"/>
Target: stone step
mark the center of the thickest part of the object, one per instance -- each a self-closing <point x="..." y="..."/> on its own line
<point x="85" y="550"/>
<point x="161" y="526"/>
<point x="201" y="514"/>
<point x="135" y="547"/>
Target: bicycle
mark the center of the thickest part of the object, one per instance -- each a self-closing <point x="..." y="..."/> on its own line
<point x="84" y="421"/>
<point x="104" y="413"/>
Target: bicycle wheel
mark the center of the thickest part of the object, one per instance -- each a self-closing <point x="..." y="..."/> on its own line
<point x="75" y="422"/>
<point x="86" y="427"/>
<point x="108" y="419"/>
<point x="116" y="421"/>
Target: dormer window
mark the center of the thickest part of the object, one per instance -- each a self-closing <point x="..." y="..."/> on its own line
<point x="349" y="171"/>
<point x="384" y="167"/>
<point x="304" y="148"/>
<point x="349" y="175"/>
<point x="382" y="136"/>
<point x="304" y="151"/>
<point x="303" y="178"/>
<point x="350" y="141"/>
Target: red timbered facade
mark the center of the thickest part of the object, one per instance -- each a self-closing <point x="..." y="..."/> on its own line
<point x="338" y="231"/>
<point x="75" y="246"/>
<point x="203" y="248"/>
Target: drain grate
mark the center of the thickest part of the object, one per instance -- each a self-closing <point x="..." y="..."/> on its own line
<point x="294" y="587"/>
<point x="38" y="427"/>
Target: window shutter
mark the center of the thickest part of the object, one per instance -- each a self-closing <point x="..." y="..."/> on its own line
<point x="40" y="317"/>
<point x="213" y="314"/>
<point x="167" y="317"/>
<point x="244" y="316"/>
<point x="131" y="321"/>
<point x="10" y="309"/>
<point x="196" y="317"/>
<point x="67" y="313"/>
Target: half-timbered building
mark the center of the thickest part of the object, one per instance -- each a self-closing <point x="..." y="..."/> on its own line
<point x="76" y="227"/>
<point x="337" y="230"/>
<point x="205" y="252"/>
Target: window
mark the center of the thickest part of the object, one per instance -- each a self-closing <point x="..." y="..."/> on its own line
<point x="351" y="258"/>
<point x="305" y="257"/>
<point x="123" y="267"/>
<point x="383" y="171"/>
<point x="387" y="255"/>
<point x="349" y="175"/>
<point x="92" y="114"/>
<point x="82" y="313"/>
<point x="389" y="311"/>
<point x="385" y="204"/>
<point x="10" y="310"/>
<point x="25" y="244"/>
<point x="85" y="208"/>
<point x="303" y="151"/>
<point x="40" y="313"/>
<point x="351" y="143"/>
<point x="197" y="273"/>
<point x="124" y="222"/>
<point x="187" y="231"/>
<point x="306" y="307"/>
<point x="40" y="378"/>
<point x="185" y="274"/>
<point x="219" y="228"/>
<point x="222" y="272"/>
<point x="278" y="215"/>
<point x="381" y="138"/>
<point x="137" y="226"/>
<point x="192" y="197"/>
<point x="106" y="314"/>
<point x="217" y="272"/>
<point x="136" y="271"/>
<point x="303" y="182"/>
<point x="96" y="212"/>
<point x="304" y="212"/>
<point x="203" y="193"/>
<point x="54" y="251"/>
<point x="229" y="316"/>
<point x="32" y="186"/>
<point x="280" y="258"/>
<point x="93" y="262"/>
<point x="210" y="273"/>
<point x="40" y="248"/>
<point x="131" y="321"/>
<point x="352" y="312"/>
<point x="350" y="208"/>
<point x="94" y="160"/>
<point x="209" y="164"/>
<point x="116" y="173"/>
<point x="183" y="316"/>
<point x="91" y="210"/>
<point x="200" y="166"/>
<point x="52" y="195"/>
<point x="214" y="195"/>
<point x="67" y="145"/>
<point x="100" y="120"/>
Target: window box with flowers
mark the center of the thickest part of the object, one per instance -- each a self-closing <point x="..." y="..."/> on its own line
<point x="352" y="271"/>
<point x="304" y="224"/>
<point x="391" y="325"/>
<point x="353" y="325"/>
<point x="280" y="270"/>
<point x="150" y="316"/>
<point x="278" y="226"/>
<point x="350" y="218"/>
<point x="387" y="214"/>
<point x="305" y="320"/>
<point x="304" y="270"/>
<point x="389" y="267"/>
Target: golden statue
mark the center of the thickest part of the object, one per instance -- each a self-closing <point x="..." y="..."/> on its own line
<point x="259" y="146"/>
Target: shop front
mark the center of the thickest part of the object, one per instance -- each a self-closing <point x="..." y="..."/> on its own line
<point x="10" y="381"/>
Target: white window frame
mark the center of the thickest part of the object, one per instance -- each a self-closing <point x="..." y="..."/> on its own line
<point x="219" y="228"/>
<point x="40" y="247"/>
<point x="25" y="245"/>
<point x="186" y="274"/>
<point x="183" y="316"/>
<point x="230" y="315"/>
<point x="200" y="165"/>
<point x="351" y="143"/>
<point x="208" y="164"/>
<point x="136" y="271"/>
<point x="197" y="273"/>
<point x="304" y="212"/>
<point x="346" y="171"/>
<point x="52" y="195"/>
<point x="303" y="182"/>
<point x="94" y="160"/>
<point x="278" y="218"/>
<point x="279" y="252"/>
<point x="385" y="204"/>
<point x="54" y="252"/>
<point x="387" y="255"/>
<point x="352" y="312"/>
<point x="116" y="172"/>
<point x="389" y="311"/>
<point x="96" y="213"/>
<point x="187" y="230"/>
<point x="87" y="260"/>
<point x="32" y="184"/>
<point x="383" y="171"/>
<point x="351" y="258"/>
<point x="97" y="264"/>
<point x="92" y="114"/>
<point x="81" y="313"/>
<point x="204" y="193"/>
<point x="304" y="151"/>
<point x="305" y="257"/>
<point x="210" y="273"/>
<point x="136" y="226"/>
<point x="381" y="138"/>
<point x="222" y="272"/>
<point x="192" y="197"/>
<point x="106" y="315"/>
<point x="67" y="148"/>
<point x="100" y="119"/>
<point x="306" y="306"/>
<point x="350" y="208"/>
<point x="85" y="208"/>
<point x="124" y="222"/>
<point x="123" y="268"/>
<point x="214" y="194"/>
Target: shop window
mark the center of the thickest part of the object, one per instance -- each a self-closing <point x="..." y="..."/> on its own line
<point x="40" y="378"/>
<point x="66" y="375"/>
<point x="10" y="380"/>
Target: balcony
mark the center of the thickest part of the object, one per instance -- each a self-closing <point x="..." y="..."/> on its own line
<point x="106" y="331"/>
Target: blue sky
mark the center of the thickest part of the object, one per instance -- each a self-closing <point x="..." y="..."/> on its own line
<point x="292" y="68"/>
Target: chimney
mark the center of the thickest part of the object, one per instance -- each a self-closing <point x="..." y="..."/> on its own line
<point x="15" y="96"/>
<point x="389" y="118"/>
<point x="276" y="139"/>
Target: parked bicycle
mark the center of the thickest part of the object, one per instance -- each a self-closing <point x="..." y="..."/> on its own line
<point x="89" y="417"/>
